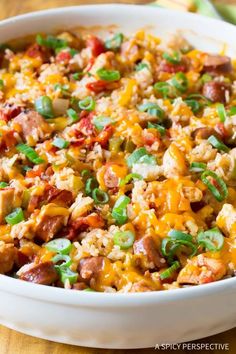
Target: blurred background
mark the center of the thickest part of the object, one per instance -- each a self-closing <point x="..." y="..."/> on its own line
<point x="226" y="8"/>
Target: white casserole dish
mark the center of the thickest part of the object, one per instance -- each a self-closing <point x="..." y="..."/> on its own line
<point x="105" y="320"/>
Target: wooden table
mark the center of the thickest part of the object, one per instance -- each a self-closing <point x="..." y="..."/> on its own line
<point x="12" y="342"/>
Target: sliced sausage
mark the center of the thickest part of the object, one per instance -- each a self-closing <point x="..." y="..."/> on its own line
<point x="9" y="111"/>
<point x="204" y="133"/>
<point x="7" y="257"/>
<point x="217" y="65"/>
<point x="61" y="197"/>
<point x="215" y="91"/>
<point x="90" y="267"/>
<point x="6" y="202"/>
<point x="79" y="286"/>
<point x="49" y="227"/>
<point x="32" y="126"/>
<point x="172" y="68"/>
<point x="147" y="247"/>
<point x="43" y="273"/>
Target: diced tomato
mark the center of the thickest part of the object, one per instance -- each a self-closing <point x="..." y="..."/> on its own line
<point x="97" y="86"/>
<point x="149" y="139"/>
<point x="9" y="111"/>
<point x="96" y="45"/>
<point x="63" y="57"/>
<point x="105" y="135"/>
<point x="34" y="51"/>
<point x="172" y="68"/>
<point x="85" y="125"/>
<point x="34" y="173"/>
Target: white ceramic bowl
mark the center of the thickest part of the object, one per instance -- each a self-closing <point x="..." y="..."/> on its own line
<point x="120" y="320"/>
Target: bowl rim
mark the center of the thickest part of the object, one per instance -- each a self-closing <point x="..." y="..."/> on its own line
<point x="95" y="299"/>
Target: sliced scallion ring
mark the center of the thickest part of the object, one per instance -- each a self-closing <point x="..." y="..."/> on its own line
<point x="221" y="112"/>
<point x="108" y="75"/>
<point x="175" y="58"/>
<point x="124" y="239"/>
<point x="163" y="88"/>
<point x="180" y="82"/>
<point x="60" y="143"/>
<point x="213" y="240"/>
<point x="179" y="235"/>
<point x="168" y="273"/>
<point x="67" y="275"/>
<point x="3" y="185"/>
<point x="153" y="109"/>
<point x="43" y="105"/>
<point x="15" y="217"/>
<point x="59" y="245"/>
<point x="62" y="260"/>
<point x="90" y="185"/>
<point x="141" y="66"/>
<point x="99" y="196"/>
<point x="30" y="153"/>
<point x="216" y="143"/>
<point x="115" y="42"/>
<point x="101" y="122"/>
<point x="160" y="128"/>
<point x="119" y="211"/>
<point x="72" y="115"/>
<point x="129" y="177"/>
<point x="87" y="104"/>
<point x="198" y="166"/>
<point x="141" y="156"/>
<point x="219" y="195"/>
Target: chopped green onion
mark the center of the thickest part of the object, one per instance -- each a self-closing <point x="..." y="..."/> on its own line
<point x="175" y="58"/>
<point x="153" y="109"/>
<point x="115" y="42"/>
<point x="218" y="144"/>
<point x="73" y="52"/>
<point x="85" y="174"/>
<point x="141" y="66"/>
<point x="213" y="240"/>
<point x="200" y="97"/>
<point x="160" y="128"/>
<point x="67" y="274"/>
<point x="15" y="217"/>
<point x="72" y="115"/>
<point x="219" y="195"/>
<point x="43" y="105"/>
<point x="99" y="196"/>
<point x="129" y="177"/>
<point x="59" y="245"/>
<point x="51" y="42"/>
<point x="90" y="185"/>
<point x="141" y="156"/>
<point x="60" y="143"/>
<point x="193" y="104"/>
<point x="124" y="239"/>
<point x="206" y="78"/>
<point x="179" y="235"/>
<point x="221" y="112"/>
<point x="3" y="185"/>
<point x="87" y="104"/>
<point x="119" y="212"/>
<point x="232" y="111"/>
<point x="108" y="75"/>
<point x="89" y="289"/>
<point x="77" y="76"/>
<point x="180" y="82"/>
<point x="62" y="260"/>
<point x="163" y="88"/>
<point x="169" y="271"/>
<point x="30" y="153"/>
<point x="115" y="144"/>
<point x="198" y="166"/>
<point x="101" y="122"/>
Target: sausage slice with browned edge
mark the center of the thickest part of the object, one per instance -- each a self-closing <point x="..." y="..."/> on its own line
<point x="43" y="273"/>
